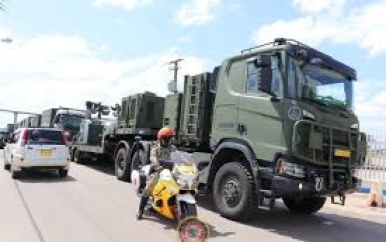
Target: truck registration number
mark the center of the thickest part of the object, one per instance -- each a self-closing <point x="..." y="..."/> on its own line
<point x="342" y="153"/>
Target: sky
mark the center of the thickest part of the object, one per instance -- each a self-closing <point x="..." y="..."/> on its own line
<point x="69" y="52"/>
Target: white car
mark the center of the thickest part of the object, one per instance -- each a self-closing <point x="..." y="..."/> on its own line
<point x="37" y="148"/>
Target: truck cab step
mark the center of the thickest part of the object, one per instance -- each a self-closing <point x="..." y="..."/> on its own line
<point x="266" y="200"/>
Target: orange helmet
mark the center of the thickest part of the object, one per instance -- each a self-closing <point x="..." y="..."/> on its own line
<point x="166" y="133"/>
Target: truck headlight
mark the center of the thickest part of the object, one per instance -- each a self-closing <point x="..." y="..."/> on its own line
<point x="355" y="126"/>
<point x="309" y="115"/>
<point x="285" y="167"/>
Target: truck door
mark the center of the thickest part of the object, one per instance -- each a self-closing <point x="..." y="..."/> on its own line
<point x="260" y="108"/>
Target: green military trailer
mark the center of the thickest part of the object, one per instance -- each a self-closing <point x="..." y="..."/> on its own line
<point x="274" y="122"/>
<point x="114" y="139"/>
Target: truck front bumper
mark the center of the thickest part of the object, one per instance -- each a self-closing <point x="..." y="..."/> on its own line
<point x="284" y="185"/>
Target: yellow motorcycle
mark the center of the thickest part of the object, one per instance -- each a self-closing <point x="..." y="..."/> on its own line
<point x="174" y="194"/>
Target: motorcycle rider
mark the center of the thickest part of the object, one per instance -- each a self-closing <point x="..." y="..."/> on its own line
<point x="160" y="150"/>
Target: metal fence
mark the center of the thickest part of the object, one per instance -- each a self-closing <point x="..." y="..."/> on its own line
<point x="374" y="169"/>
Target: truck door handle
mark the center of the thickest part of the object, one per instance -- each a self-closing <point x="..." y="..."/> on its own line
<point x="242" y="129"/>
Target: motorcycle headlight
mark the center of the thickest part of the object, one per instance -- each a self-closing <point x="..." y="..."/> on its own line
<point x="188" y="181"/>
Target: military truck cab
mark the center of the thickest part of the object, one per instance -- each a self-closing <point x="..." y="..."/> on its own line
<point x="283" y="126"/>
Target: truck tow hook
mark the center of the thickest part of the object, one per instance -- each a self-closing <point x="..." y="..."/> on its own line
<point x="342" y="199"/>
<point x="319" y="182"/>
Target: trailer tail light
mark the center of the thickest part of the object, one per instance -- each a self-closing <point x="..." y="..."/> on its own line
<point x="24" y="137"/>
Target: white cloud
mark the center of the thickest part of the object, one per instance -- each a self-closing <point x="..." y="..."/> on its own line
<point x="370" y="109"/>
<point x="128" y="5"/>
<point x="185" y="39"/>
<point x="52" y="70"/>
<point x="197" y="12"/>
<point x="363" y="26"/>
<point x="332" y="6"/>
<point x="306" y="29"/>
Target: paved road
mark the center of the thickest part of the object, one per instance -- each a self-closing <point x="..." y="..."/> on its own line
<point x="91" y="205"/>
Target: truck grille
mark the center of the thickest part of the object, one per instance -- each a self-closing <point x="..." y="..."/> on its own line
<point x="318" y="143"/>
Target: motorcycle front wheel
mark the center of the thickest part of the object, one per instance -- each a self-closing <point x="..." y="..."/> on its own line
<point x="192" y="229"/>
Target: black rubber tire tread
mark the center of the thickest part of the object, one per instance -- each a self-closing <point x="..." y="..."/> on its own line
<point x="6" y="166"/>
<point x="63" y="172"/>
<point x="15" y="174"/>
<point x="122" y="174"/>
<point x="305" y="206"/>
<point x="248" y="206"/>
<point x="188" y="210"/>
<point x="77" y="157"/>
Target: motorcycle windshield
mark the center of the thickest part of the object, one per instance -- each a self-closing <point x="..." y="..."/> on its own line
<point x="181" y="158"/>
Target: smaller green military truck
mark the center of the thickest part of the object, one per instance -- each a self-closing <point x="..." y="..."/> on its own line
<point x="274" y="122"/>
<point x="68" y="119"/>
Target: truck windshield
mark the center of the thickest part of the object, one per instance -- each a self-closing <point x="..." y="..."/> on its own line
<point x="324" y="86"/>
<point x="70" y="121"/>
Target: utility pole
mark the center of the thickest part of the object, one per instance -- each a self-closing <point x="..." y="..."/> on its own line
<point x="174" y="67"/>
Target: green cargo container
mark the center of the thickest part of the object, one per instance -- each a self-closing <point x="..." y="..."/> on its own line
<point x="172" y="111"/>
<point x="196" y="111"/>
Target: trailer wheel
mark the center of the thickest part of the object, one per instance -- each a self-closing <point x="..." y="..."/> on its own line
<point x="77" y="156"/>
<point x="122" y="170"/>
<point x="234" y="192"/>
<point x="305" y="205"/>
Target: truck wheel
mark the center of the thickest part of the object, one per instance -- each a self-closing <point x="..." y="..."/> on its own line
<point x="138" y="160"/>
<point x="305" y="205"/>
<point x="234" y="192"/>
<point x="77" y="156"/>
<point x="122" y="170"/>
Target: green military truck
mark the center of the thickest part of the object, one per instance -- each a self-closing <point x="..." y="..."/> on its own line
<point x="275" y="121"/>
<point x="68" y="119"/>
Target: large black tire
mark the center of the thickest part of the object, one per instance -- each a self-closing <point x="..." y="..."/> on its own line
<point x="77" y="157"/>
<point x="122" y="169"/>
<point x="188" y="210"/>
<point x="305" y="205"/>
<point x="234" y="192"/>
